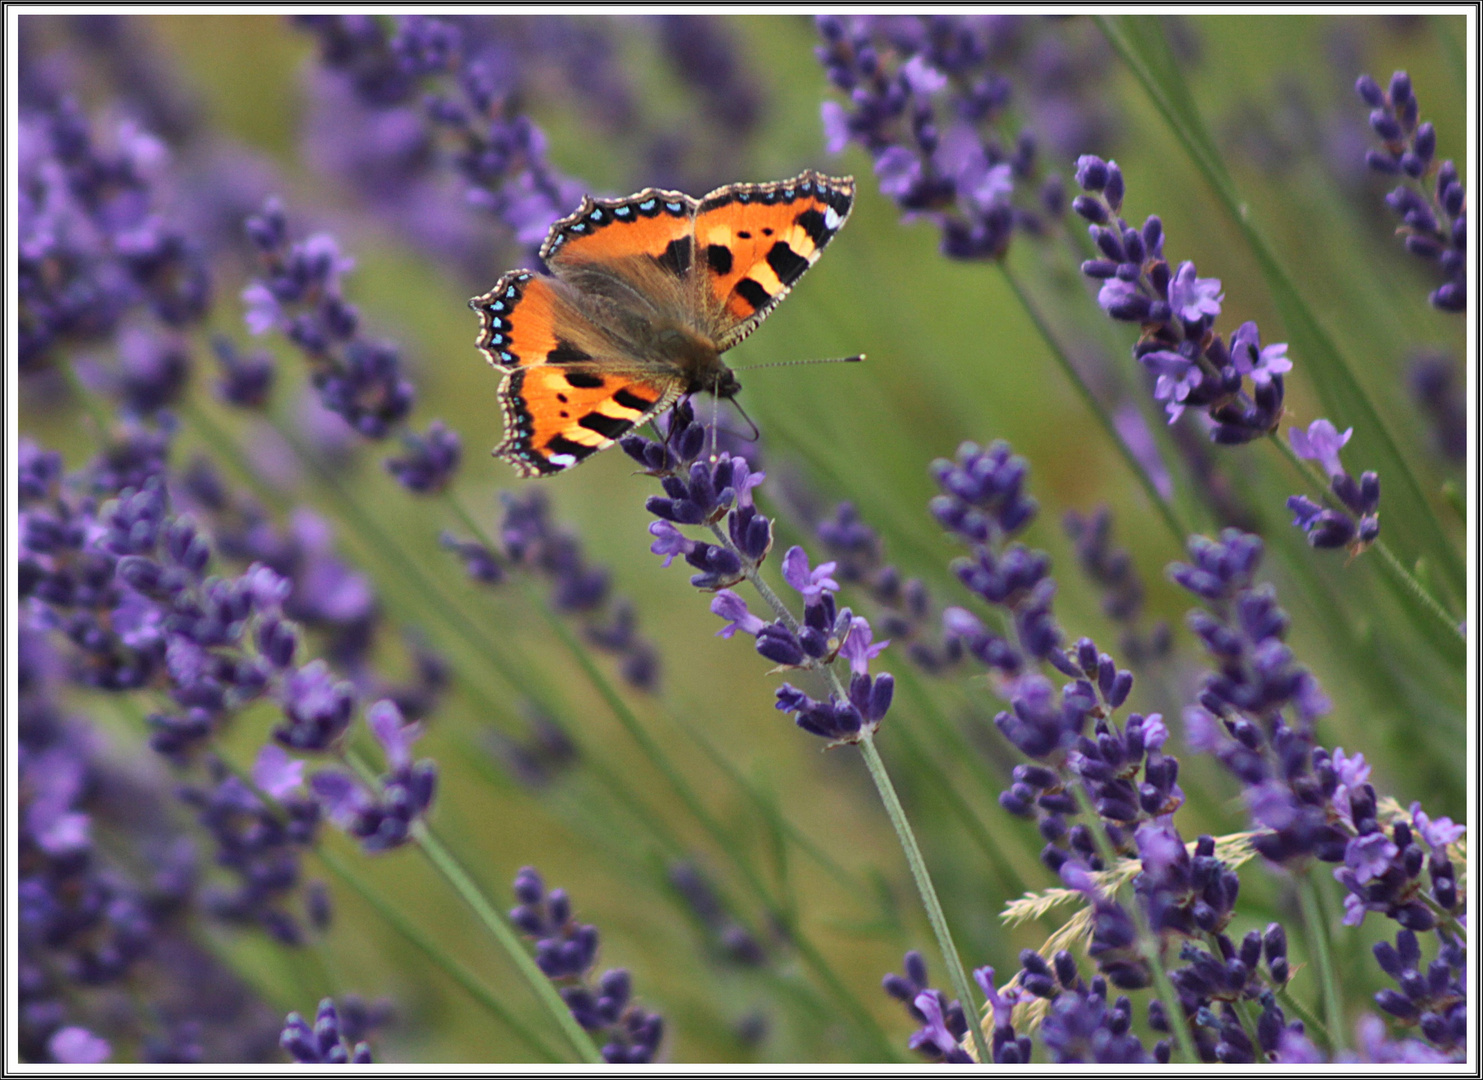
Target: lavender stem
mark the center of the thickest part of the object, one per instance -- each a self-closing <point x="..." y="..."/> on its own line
<point x="894" y="811"/>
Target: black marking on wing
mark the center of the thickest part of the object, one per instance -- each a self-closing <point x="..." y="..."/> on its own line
<point x="750" y="290"/>
<point x="583" y="381"/>
<point x="718" y="256"/>
<point x="560" y="444"/>
<point x="609" y="427"/>
<point x="812" y="222"/>
<point x="786" y="263"/>
<point x="677" y="256"/>
<point x="629" y="400"/>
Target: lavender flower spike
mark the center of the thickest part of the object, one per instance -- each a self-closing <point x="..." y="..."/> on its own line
<point x="1361" y="498"/>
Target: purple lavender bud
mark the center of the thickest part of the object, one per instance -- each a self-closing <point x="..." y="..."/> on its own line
<point x="430" y="461"/>
<point x="1386" y="126"/>
<point x="1091" y="172"/>
<point x="778" y="644"/>
<point x="1113" y="191"/>
<point x="720" y="567"/>
<point x="277" y="641"/>
<point x="1093" y="210"/>
<point x="1370" y="91"/>
<point x="479" y="562"/>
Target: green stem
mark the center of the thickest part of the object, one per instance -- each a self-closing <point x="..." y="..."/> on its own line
<point x="1404" y="579"/>
<point x="341" y="869"/>
<point x="937" y="779"/>
<point x="434" y="952"/>
<point x="1312" y="1025"/>
<point x="894" y="811"/>
<point x="1318" y="942"/>
<point x="956" y="976"/>
<point x="443" y="861"/>
<point x="446" y="864"/>
<point x="1242" y="1008"/>
<point x="1178" y="530"/>
<point x="687" y="795"/>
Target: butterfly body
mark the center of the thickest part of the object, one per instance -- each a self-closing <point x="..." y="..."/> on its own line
<point x="644" y="296"/>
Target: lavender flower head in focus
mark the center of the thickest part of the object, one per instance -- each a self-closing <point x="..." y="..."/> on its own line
<point x="1238" y="385"/>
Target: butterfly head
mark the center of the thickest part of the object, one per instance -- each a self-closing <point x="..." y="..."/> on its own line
<point x="725" y="384"/>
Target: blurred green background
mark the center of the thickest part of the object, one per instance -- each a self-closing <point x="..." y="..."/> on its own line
<point x="952" y="356"/>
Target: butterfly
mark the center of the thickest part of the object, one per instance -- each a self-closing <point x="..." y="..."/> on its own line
<point x="643" y="296"/>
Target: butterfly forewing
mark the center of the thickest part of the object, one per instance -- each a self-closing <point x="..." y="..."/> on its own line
<point x="654" y="222"/>
<point x="754" y="241"/>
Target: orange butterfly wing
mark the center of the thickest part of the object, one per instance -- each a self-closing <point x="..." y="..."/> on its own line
<point x="653" y="222"/>
<point x="754" y="241"/>
<point x="556" y="416"/>
<point x="570" y="388"/>
<point x="561" y="402"/>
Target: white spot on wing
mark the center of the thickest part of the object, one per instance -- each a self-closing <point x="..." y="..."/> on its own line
<point x="831" y="218"/>
<point x="564" y="461"/>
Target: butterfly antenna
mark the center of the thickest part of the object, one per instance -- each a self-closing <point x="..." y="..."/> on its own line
<point x="857" y="358"/>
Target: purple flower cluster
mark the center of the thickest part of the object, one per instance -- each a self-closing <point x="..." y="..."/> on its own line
<point x="328" y="596"/>
<point x="94" y="247"/>
<point x="1360" y="498"/>
<point x="926" y="102"/>
<point x="1190" y="897"/>
<point x="533" y="542"/>
<point x="299" y="296"/>
<point x="430" y="461"/>
<point x="106" y="886"/>
<point x="380" y="819"/>
<point x="983" y="504"/>
<point x="332" y="1040"/>
<point x="704" y="55"/>
<point x="466" y="81"/>
<point x="566" y="951"/>
<point x="1430" y="199"/>
<point x="1434" y="998"/>
<point x="1079" y="1025"/>
<point x="1255" y="712"/>
<point x="261" y="847"/>
<point x="116" y="572"/>
<point x="1080" y="755"/>
<point x="123" y="578"/>
<point x="716" y="489"/>
<point x="1435" y="386"/>
<point x="1193" y="366"/>
<point x="944" y="1027"/>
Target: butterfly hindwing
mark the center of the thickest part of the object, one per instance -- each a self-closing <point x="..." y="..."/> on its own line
<point x="557" y="415"/>
<point x="754" y="241"/>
